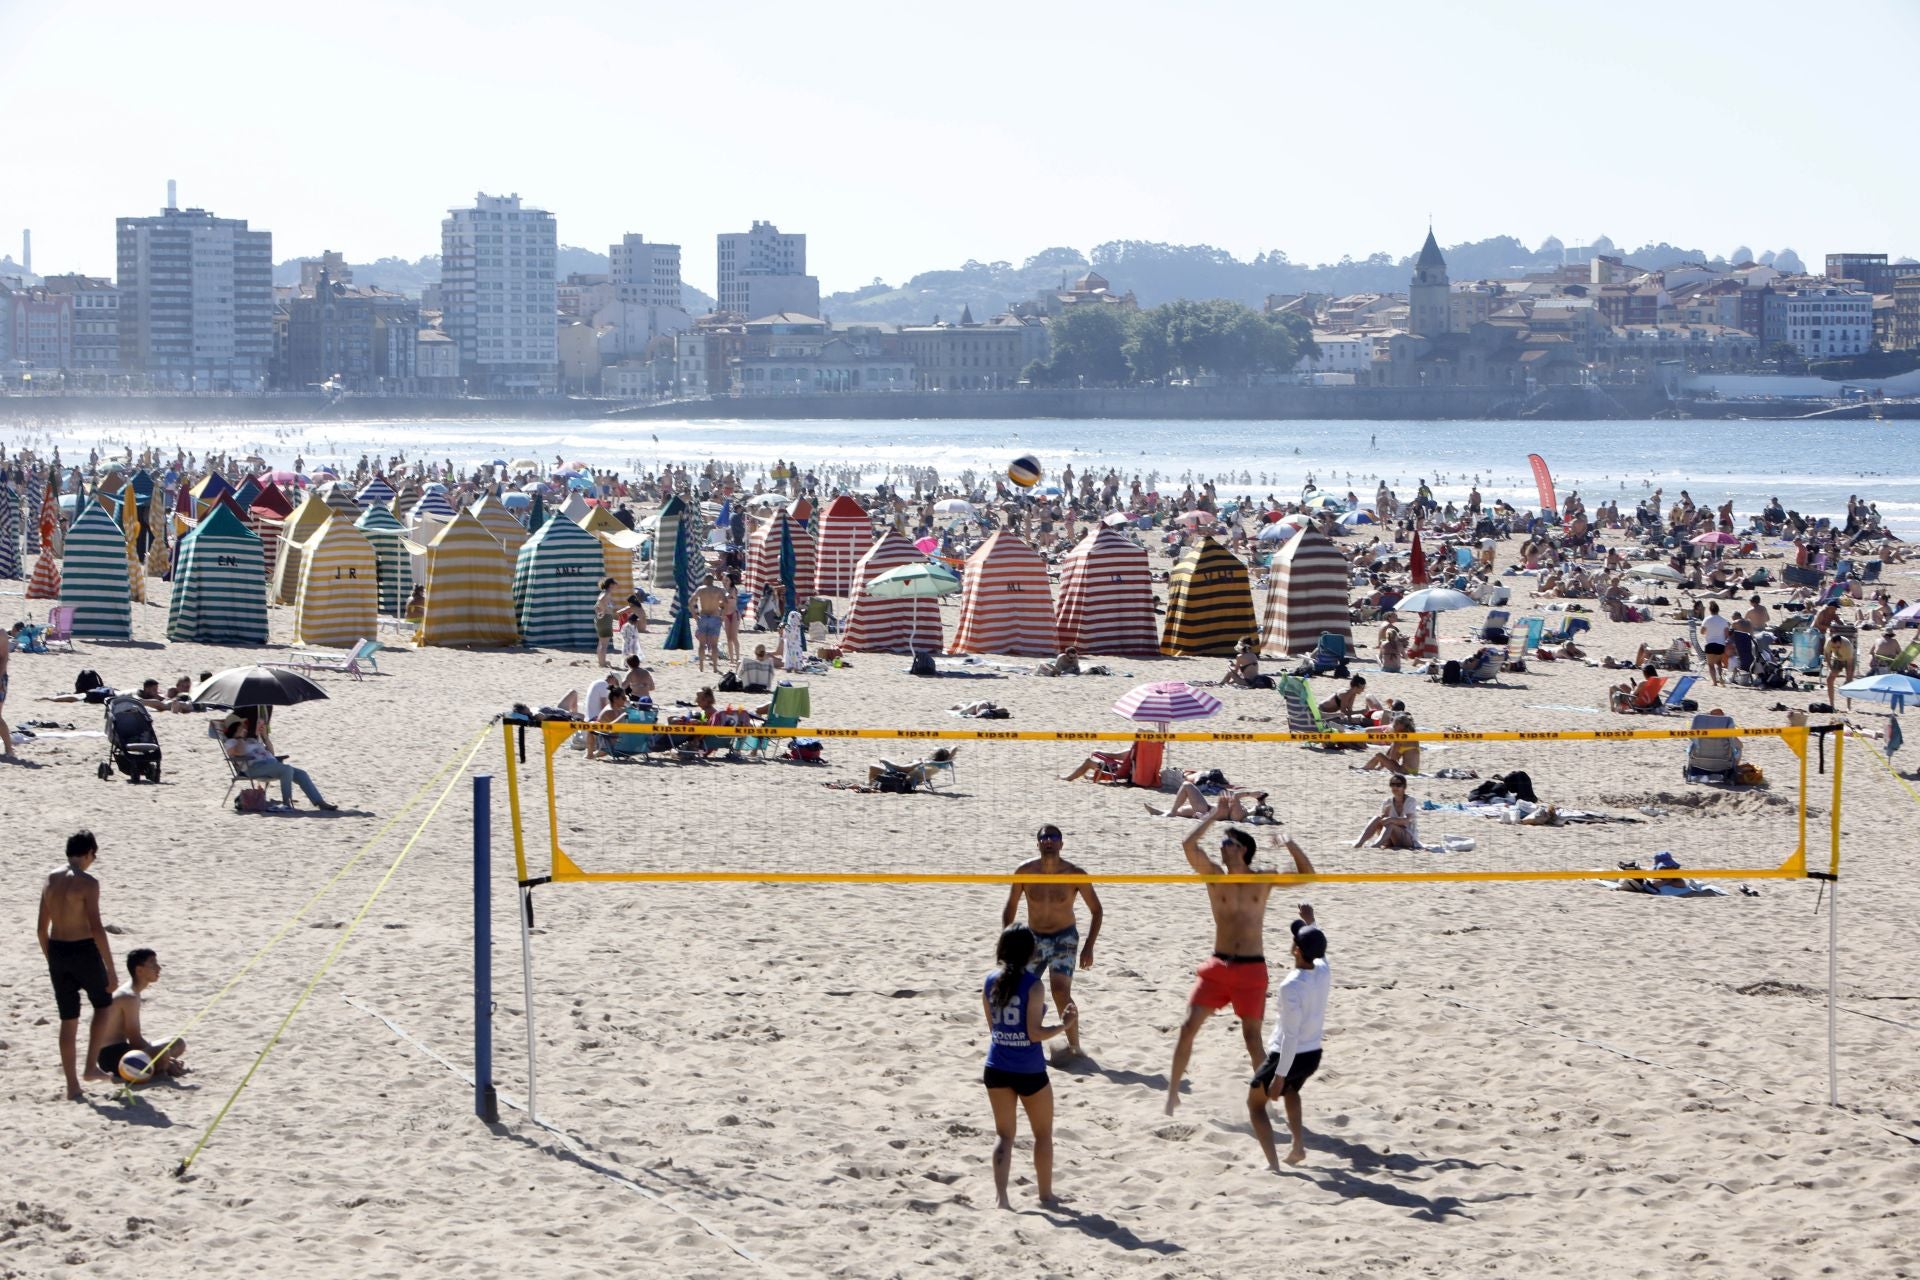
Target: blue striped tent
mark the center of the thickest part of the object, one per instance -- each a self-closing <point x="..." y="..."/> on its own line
<point x="340" y="498"/>
<point x="556" y="579"/>
<point x="433" y="502"/>
<point x="392" y="560"/>
<point x="376" y="492"/>
<point x="219" y="593"/>
<point x="93" y="577"/>
<point x="36" y="494"/>
<point x="10" y="522"/>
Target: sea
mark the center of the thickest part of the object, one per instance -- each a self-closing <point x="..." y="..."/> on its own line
<point x="1812" y="467"/>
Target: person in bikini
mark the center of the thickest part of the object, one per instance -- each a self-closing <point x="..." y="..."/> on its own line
<point x="1236" y="972"/>
<point x="1050" y="915"/>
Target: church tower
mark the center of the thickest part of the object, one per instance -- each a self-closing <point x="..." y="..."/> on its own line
<point x="1429" y="296"/>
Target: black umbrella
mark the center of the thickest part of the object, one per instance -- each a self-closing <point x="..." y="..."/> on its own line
<point x="256" y="687"/>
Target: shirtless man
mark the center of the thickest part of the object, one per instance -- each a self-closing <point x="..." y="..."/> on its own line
<point x="120" y="1024"/>
<point x="78" y="958"/>
<point x="1056" y="935"/>
<point x="709" y="611"/>
<point x="1236" y="972"/>
<point x="6" y="651"/>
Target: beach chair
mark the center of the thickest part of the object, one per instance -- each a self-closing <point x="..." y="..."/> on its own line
<point x="1711" y="757"/>
<point x="931" y="770"/>
<point x="1533" y="629"/>
<point x="1303" y="713"/>
<point x="1463" y="557"/>
<point x="1902" y="662"/>
<point x="356" y="662"/>
<point x="1483" y="667"/>
<point x="758" y="746"/>
<point x="1795" y="576"/>
<point x="1806" y="651"/>
<point x="631" y="746"/>
<point x="59" y="627"/>
<point x="1567" y="630"/>
<point x="1677" y="657"/>
<point x="1331" y="653"/>
<point x="1677" y="693"/>
<point x="1494" y="629"/>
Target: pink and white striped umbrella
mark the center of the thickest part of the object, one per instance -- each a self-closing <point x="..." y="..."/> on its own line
<point x="1167" y="701"/>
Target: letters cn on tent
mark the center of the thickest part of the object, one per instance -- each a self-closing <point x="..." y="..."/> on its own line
<point x="555" y="582"/>
<point x="763" y="559"/>
<point x="1106" y="597"/>
<point x="1306" y="595"/>
<point x="1209" y="602"/>
<point x="93" y="577"/>
<point x="469" y="588"/>
<point x="288" y="569"/>
<point x="890" y="626"/>
<point x="219" y="596"/>
<point x="1006" y="602"/>
<point x="846" y="534"/>
<point x="393" y="563"/>
<point x="338" y="592"/>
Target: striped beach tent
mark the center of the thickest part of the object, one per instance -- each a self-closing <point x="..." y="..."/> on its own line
<point x="338" y="593"/>
<point x="469" y="588"/>
<point x="307" y="519"/>
<point x="35" y="495"/>
<point x="393" y="563"/>
<point x="93" y="577"/>
<point x="211" y="486"/>
<point x="11" y="521"/>
<point x="433" y="502"/>
<point x="1306" y="595"/>
<point x="242" y="497"/>
<point x="129" y="503"/>
<point x="405" y="495"/>
<point x="1209" y="602"/>
<point x="1006" y="602"/>
<point x="763" y="559"/>
<point x="340" y="498"/>
<point x="159" y="540"/>
<point x="889" y="626"/>
<point x="668" y="526"/>
<point x="219" y="596"/>
<point x="617" y="543"/>
<point x="506" y="530"/>
<point x="272" y="501"/>
<point x="556" y="579"/>
<point x="376" y="492"/>
<point x="1106" y="597"/>
<point x="846" y="534"/>
<point x="575" y="508"/>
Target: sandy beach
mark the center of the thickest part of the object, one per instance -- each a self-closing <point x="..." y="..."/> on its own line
<point x="1544" y="1079"/>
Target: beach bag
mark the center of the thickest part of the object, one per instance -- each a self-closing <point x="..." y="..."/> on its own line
<point x="87" y="681"/>
<point x="922" y="665"/>
<point x="806" y="751"/>
<point x="1450" y="673"/>
<point x="729" y="683"/>
<point x="1259" y="682"/>
<point x="250" y="800"/>
<point x="894" y="782"/>
<point x="1748" y="775"/>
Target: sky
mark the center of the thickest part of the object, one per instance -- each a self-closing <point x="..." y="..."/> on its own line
<point x="910" y="137"/>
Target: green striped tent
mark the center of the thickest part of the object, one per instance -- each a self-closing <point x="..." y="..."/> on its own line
<point x="93" y="577"/>
<point x="392" y="559"/>
<point x="555" y="582"/>
<point x="669" y="527"/>
<point x="1209" y="602"/>
<point x="219" y="595"/>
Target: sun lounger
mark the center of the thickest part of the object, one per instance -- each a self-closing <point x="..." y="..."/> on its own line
<point x="356" y="662"/>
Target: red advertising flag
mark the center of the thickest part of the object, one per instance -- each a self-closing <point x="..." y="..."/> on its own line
<point x="1544" y="480"/>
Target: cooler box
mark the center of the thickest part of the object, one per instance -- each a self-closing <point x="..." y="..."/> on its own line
<point x="1146" y="763"/>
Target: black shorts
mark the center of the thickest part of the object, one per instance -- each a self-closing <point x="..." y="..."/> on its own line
<point x="110" y="1055"/>
<point x="1715" y="650"/>
<point x="1304" y="1065"/>
<point x="1024" y="1083"/>
<point x="74" y="964"/>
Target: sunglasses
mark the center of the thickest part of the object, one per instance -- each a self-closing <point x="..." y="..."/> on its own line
<point x="1048" y="837"/>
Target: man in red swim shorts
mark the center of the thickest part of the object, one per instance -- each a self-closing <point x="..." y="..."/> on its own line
<point x="1236" y="973"/>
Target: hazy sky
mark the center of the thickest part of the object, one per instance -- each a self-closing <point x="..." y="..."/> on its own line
<point x="908" y="136"/>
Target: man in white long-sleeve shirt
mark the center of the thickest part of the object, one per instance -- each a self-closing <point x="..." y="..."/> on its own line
<point x="1293" y="1053"/>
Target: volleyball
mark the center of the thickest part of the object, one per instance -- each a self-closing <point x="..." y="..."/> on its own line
<point x="136" y="1067"/>
<point x="1024" y="471"/>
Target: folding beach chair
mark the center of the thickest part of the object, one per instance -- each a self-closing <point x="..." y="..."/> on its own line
<point x="59" y="627"/>
<point x="631" y="746"/>
<point x="1303" y="713"/>
<point x="1677" y="693"/>
<point x="1567" y="630"/>
<point x="1331" y="653"/>
<point x="1902" y="662"/>
<point x="356" y="662"/>
<point x="1711" y="757"/>
<point x="1483" y="667"/>
<point x="1534" y="628"/>
<point x="1806" y="651"/>
<point x="1494" y="629"/>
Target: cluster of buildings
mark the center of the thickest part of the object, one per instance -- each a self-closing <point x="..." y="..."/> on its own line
<point x="1607" y="321"/>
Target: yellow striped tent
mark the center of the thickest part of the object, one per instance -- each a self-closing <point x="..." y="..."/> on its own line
<point x="617" y="545"/>
<point x="1209" y="602"/>
<point x="469" y="588"/>
<point x="339" y="590"/>
<point x="306" y="520"/>
<point x="506" y="530"/>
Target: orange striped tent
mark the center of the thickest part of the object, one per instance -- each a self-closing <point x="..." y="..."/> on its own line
<point x="1306" y="595"/>
<point x="1006" y="602"/>
<point x="1106" y="597"/>
<point x="1209" y="602"/>
<point x="846" y="534"/>
<point x="890" y="626"/>
<point x="763" y="559"/>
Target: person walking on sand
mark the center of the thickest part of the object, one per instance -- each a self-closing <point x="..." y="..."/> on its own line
<point x="730" y="622"/>
<point x="1050" y="916"/>
<point x="1236" y="972"/>
<point x="1293" y="1055"/>
<point x="79" y="958"/>
<point x="603" y="610"/>
<point x="1016" y="1070"/>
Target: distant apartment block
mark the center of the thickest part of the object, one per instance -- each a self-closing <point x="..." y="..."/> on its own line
<point x="41" y="326"/>
<point x="1906" y="314"/>
<point x="1872" y="270"/>
<point x="966" y="356"/>
<point x="96" y="320"/>
<point x="500" y="296"/>
<point x="648" y="275"/>
<point x="777" y="261"/>
<point x="196" y="300"/>
<point x="1821" y="322"/>
<point x="360" y="339"/>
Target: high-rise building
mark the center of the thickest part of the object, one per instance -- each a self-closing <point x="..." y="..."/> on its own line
<point x="96" y="320"/>
<point x="196" y="300"/>
<point x="648" y="275"/>
<point x="500" y="295"/>
<point x="779" y="261"/>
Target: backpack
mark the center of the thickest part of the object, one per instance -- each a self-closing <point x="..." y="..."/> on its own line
<point x="922" y="665"/>
<point x="729" y="683"/>
<point x="1450" y="673"/>
<point x="893" y="781"/>
<point x="87" y="681"/>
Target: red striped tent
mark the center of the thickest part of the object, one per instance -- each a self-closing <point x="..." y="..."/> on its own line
<point x="1209" y="602"/>
<point x="1106" y="597"/>
<point x="890" y="626"/>
<point x="1006" y="602"/>
<point x="846" y="534"/>
<point x="1306" y="595"/>
<point x="763" y="559"/>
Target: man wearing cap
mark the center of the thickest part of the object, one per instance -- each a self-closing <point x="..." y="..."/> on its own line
<point x="1293" y="1054"/>
<point x="1056" y="935"/>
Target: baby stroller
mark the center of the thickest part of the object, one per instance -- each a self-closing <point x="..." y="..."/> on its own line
<point x="132" y="746"/>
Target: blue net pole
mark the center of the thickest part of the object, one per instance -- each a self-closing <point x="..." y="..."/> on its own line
<point x="485" y="1104"/>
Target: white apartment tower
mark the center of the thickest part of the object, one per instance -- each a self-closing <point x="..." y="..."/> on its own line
<point x="777" y="262"/>
<point x="196" y="300"/>
<point x="500" y="296"/>
<point x="642" y="274"/>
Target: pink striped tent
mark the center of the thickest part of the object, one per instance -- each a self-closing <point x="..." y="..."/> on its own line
<point x="890" y="626"/>
<point x="1306" y="595"/>
<point x="846" y="534"/>
<point x="1106" y="597"/>
<point x="1006" y="602"/>
<point x="763" y="559"/>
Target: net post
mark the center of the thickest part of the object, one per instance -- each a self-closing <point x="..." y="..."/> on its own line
<point x="526" y="979"/>
<point x="1833" y="986"/>
<point x="486" y="1104"/>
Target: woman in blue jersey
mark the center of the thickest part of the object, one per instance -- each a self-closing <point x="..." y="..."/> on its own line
<point x="1015" y="1003"/>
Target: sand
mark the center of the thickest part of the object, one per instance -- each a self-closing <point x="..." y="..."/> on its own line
<point x="1547" y="1079"/>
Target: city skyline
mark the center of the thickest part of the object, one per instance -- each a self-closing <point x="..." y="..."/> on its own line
<point x="901" y="141"/>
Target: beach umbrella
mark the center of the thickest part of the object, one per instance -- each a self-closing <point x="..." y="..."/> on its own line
<point x="1889" y="687"/>
<point x="1279" y="532"/>
<point x="538" y="516"/>
<point x="1357" y="517"/>
<point x="953" y="507"/>
<point x="1910" y="614"/>
<point x="514" y="500"/>
<point x="286" y="477"/>
<point x="519" y="465"/>
<point x="1165" y="702"/>
<point x="1194" y="519"/>
<point x="1435" y="600"/>
<point x="256" y="687"/>
<point x="927" y="546"/>
<point x="1113" y="518"/>
<point x="1426" y="632"/>
<point x="1715" y="539"/>
<point x="1655" y="570"/>
<point x="913" y="582"/>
